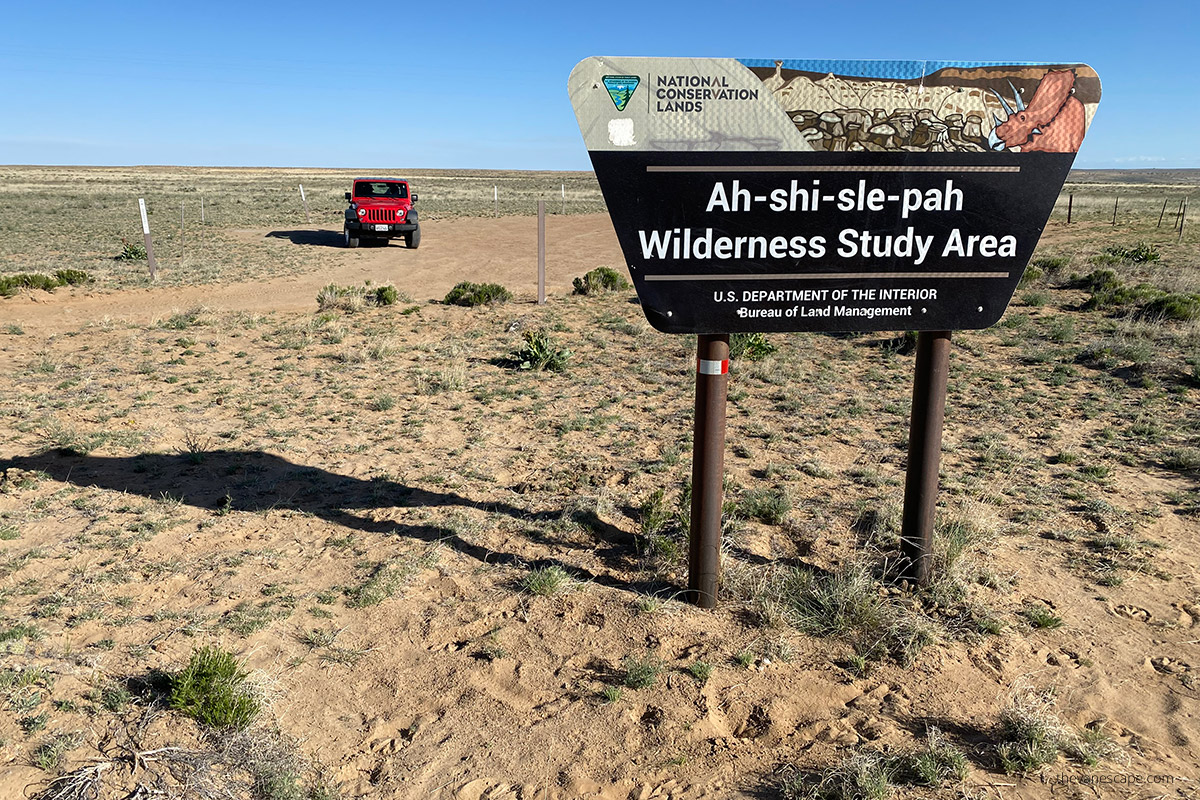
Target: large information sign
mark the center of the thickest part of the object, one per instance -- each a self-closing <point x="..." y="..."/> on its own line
<point x="760" y="195"/>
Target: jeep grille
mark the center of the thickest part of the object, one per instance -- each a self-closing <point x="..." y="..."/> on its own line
<point x="381" y="215"/>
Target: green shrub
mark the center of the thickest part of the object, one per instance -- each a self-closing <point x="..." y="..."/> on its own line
<point x="750" y="346"/>
<point x="1050" y="264"/>
<point x="71" y="277"/>
<point x="1096" y="281"/>
<point x="601" y="279"/>
<point x="834" y="604"/>
<point x="1183" y="459"/>
<point x="849" y="603"/>
<point x="1039" y="616"/>
<point x="211" y="689"/>
<point x="1030" y="734"/>
<point x="1175" y="306"/>
<point x="1031" y="274"/>
<point x="901" y="344"/>
<point x="1121" y="297"/>
<point x="546" y="581"/>
<point x="477" y="294"/>
<point x="771" y="506"/>
<point x="11" y="284"/>
<point x="386" y="295"/>
<point x="869" y="775"/>
<point x="541" y="352"/>
<point x="49" y="754"/>
<point x="351" y="298"/>
<point x="131" y="251"/>
<point x="641" y="673"/>
<point x="1140" y="253"/>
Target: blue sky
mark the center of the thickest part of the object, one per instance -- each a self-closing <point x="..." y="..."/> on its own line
<point x="483" y="85"/>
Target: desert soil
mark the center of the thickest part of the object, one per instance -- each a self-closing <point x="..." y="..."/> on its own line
<point x="462" y="684"/>
<point x="500" y="250"/>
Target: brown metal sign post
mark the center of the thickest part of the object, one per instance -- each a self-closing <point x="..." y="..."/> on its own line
<point x="924" y="455"/>
<point x="708" y="468"/>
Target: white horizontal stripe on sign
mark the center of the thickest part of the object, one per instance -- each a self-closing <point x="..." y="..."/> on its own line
<point x="826" y="168"/>
<point x="823" y="276"/>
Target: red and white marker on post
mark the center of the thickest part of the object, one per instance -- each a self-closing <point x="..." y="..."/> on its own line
<point x="149" y="245"/>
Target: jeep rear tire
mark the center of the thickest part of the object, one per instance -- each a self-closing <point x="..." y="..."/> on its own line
<point x="351" y="241"/>
<point x="413" y="240"/>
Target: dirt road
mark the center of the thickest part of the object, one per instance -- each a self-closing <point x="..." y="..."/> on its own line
<point x="484" y="250"/>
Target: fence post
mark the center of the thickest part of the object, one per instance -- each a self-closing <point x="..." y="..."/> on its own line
<point x="1160" y="214"/>
<point x="1070" y="203"/>
<point x="149" y="244"/>
<point x="303" y="199"/>
<point x="1116" y="202"/>
<point x="541" y="252"/>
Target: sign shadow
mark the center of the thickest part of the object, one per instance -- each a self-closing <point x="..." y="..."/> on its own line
<point x="254" y="481"/>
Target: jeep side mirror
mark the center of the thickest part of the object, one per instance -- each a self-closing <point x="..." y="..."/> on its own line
<point x="347" y="195"/>
<point x="414" y="197"/>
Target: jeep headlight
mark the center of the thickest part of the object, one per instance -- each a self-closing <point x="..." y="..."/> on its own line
<point x="362" y="212"/>
<point x="400" y="212"/>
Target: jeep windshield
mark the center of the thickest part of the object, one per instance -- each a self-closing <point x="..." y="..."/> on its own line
<point x="380" y="189"/>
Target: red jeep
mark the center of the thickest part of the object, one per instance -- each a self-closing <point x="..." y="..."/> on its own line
<point x="381" y="209"/>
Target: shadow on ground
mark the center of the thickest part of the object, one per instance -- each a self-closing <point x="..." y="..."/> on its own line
<point x="313" y="238"/>
<point x="249" y="480"/>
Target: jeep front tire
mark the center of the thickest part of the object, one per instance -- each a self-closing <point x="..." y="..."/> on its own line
<point x="351" y="240"/>
<point x="413" y="240"/>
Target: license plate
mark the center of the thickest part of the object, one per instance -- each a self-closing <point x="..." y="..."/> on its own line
<point x="382" y="227"/>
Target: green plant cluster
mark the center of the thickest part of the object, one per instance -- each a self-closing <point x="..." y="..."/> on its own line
<point x="873" y="775"/>
<point x="546" y="581"/>
<point x="541" y="352"/>
<point x="662" y="530"/>
<point x="1110" y="293"/>
<point x="600" y="280"/>
<point x="11" y="284"/>
<point x="848" y="603"/>
<point x="641" y="673"/>
<point x="131" y="251"/>
<point x="1140" y="253"/>
<point x="212" y="690"/>
<point x="351" y="298"/>
<point x="1041" y="267"/>
<point x="771" y="506"/>
<point x="1030" y="736"/>
<point x="750" y="346"/>
<point x="469" y="294"/>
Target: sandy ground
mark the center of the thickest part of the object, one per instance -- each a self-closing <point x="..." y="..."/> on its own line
<point x="483" y="250"/>
<point x="430" y="711"/>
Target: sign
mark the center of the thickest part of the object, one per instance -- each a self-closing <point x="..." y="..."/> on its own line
<point x="759" y="195"/>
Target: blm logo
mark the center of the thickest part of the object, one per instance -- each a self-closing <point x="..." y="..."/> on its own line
<point x="621" y="88"/>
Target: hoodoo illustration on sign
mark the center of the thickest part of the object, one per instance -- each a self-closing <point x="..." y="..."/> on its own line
<point x="784" y="195"/>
